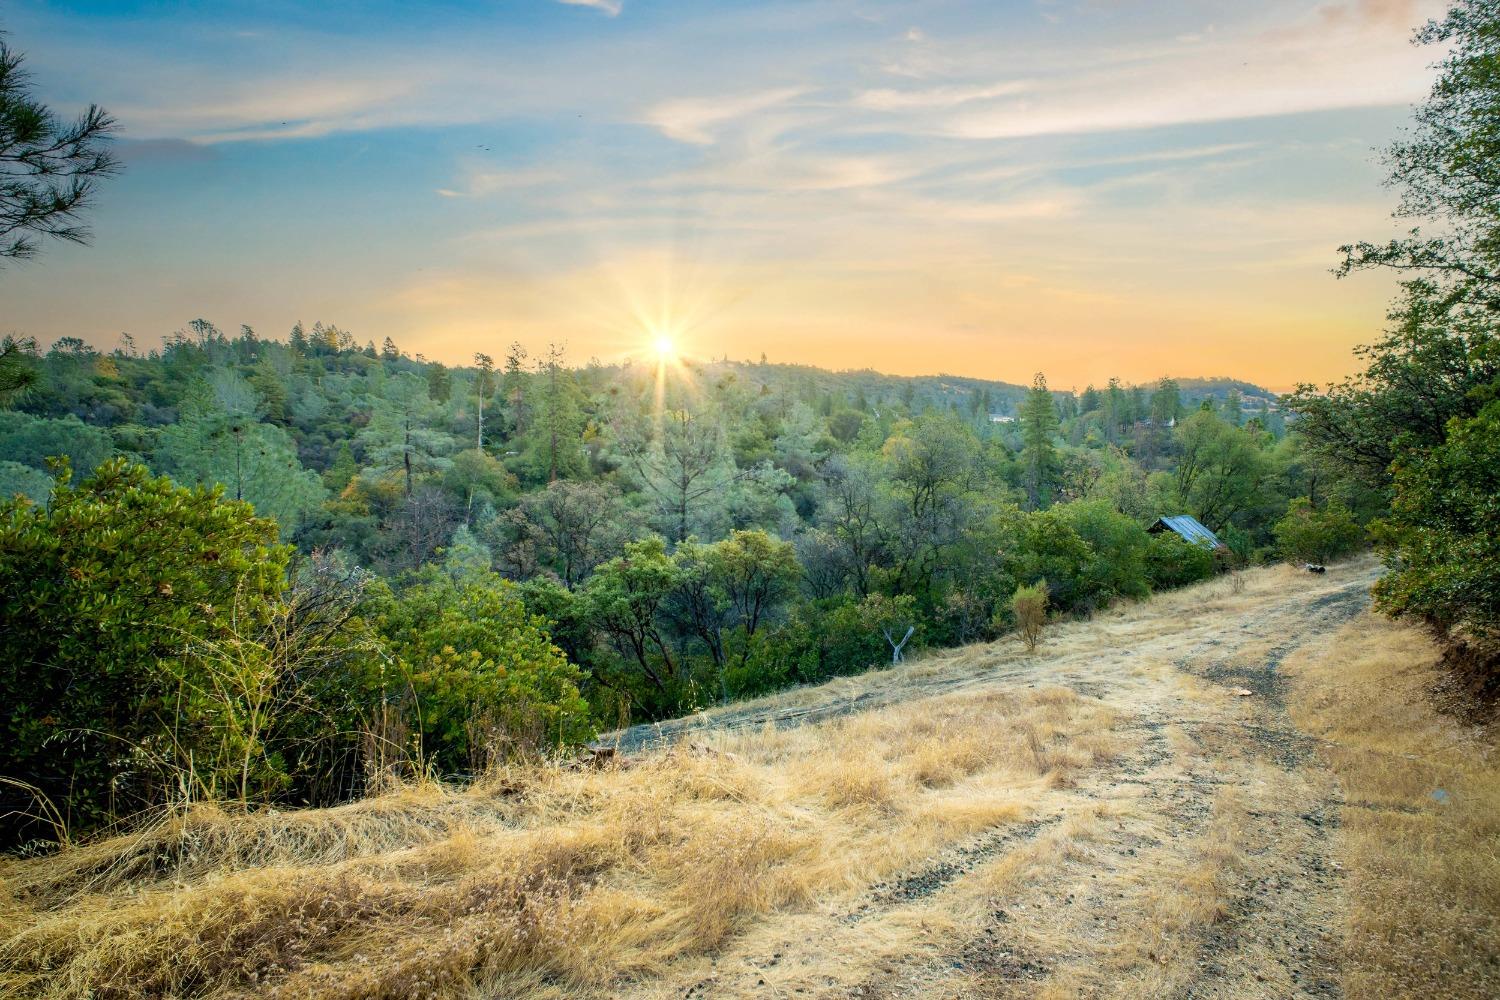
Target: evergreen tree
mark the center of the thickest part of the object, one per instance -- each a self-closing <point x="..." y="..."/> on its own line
<point x="49" y="169"/>
<point x="1039" y="460"/>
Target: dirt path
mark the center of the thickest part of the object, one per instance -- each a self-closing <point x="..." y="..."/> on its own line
<point x="1196" y="865"/>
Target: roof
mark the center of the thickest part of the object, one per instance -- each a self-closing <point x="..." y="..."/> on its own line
<point x="1188" y="527"/>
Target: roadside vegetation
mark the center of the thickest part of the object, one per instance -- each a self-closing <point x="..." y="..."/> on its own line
<point x="1421" y="816"/>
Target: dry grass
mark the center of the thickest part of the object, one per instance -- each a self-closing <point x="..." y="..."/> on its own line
<point x="1421" y="826"/>
<point x="539" y="881"/>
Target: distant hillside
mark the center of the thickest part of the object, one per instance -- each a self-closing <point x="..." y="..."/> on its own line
<point x="950" y="391"/>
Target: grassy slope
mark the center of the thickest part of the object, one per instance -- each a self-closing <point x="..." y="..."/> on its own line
<point x="985" y="776"/>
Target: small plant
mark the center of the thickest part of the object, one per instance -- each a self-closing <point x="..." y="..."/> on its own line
<point x="1029" y="605"/>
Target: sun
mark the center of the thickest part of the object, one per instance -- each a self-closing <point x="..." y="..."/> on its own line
<point x="665" y="349"/>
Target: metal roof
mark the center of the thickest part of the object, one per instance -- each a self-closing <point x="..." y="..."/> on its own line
<point x="1188" y="527"/>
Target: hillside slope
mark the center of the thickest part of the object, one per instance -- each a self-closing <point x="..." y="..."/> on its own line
<point x="1129" y="812"/>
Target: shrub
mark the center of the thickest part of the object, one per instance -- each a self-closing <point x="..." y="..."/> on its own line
<point x="1029" y="606"/>
<point x="485" y="674"/>
<point x="1308" y="534"/>
<point x="828" y="638"/>
<point x="1173" y="561"/>
<point x="105" y="594"/>
<point x="1443" y="533"/>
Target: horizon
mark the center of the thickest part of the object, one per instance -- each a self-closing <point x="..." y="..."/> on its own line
<point x="1046" y="187"/>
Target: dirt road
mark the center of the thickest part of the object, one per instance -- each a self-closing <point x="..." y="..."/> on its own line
<point x="1195" y="864"/>
<point x="1128" y="812"/>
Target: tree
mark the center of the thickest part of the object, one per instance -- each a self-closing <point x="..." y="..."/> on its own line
<point x="1166" y="403"/>
<point x="1219" y="469"/>
<point x="1441" y="346"/>
<point x="1448" y="172"/>
<point x="17" y="373"/>
<point x="554" y="448"/>
<point x="49" y="169"/>
<point x="220" y="439"/>
<point x="1419" y="422"/>
<point x="578" y="525"/>
<point x="1029" y="607"/>
<point x="400" y="437"/>
<point x="684" y="465"/>
<point x="483" y="386"/>
<point x="1442" y="538"/>
<point x="1039" y="460"/>
<point x="486" y="677"/>
<point x="624" y="599"/>
<point x="101" y="593"/>
<point x="930" y="467"/>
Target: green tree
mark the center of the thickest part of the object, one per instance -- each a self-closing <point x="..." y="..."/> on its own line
<point x="1442" y="538"/>
<point x="17" y="372"/>
<point x="1220" y="468"/>
<point x="400" y="437"/>
<point x="554" y="446"/>
<point x="220" y="439"/>
<point x="624" y="599"/>
<point x="1039" y="460"/>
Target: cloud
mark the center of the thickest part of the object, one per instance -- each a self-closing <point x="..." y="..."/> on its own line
<point x="481" y="181"/>
<point x="610" y="7"/>
<point x="935" y="97"/>
<point x="693" y="119"/>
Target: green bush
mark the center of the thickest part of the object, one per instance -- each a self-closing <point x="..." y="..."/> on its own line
<point x="1308" y="534"/>
<point x="828" y="638"/>
<point x="107" y="595"/>
<point x="1443" y="533"/>
<point x="485" y="675"/>
<point x="1173" y="561"/>
<point x="1029" y="608"/>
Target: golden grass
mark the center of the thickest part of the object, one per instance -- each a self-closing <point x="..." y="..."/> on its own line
<point x="1420" y="835"/>
<point x="539" y="881"/>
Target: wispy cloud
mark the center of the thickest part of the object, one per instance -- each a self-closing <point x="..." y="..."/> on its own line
<point x="694" y="119"/>
<point x="935" y="97"/>
<point x="610" y="7"/>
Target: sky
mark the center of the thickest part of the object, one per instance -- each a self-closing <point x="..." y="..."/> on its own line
<point x="1087" y="189"/>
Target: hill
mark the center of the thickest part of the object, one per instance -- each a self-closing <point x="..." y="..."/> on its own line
<point x="1191" y="796"/>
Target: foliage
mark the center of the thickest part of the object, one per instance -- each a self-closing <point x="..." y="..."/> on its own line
<point x="48" y="168"/>
<point x="1443" y="533"/>
<point x="485" y="675"/>
<point x="1307" y="534"/>
<point x="1173" y="561"/>
<point x="106" y="594"/>
<point x="1029" y="608"/>
<point x="802" y="516"/>
<point x="1418" y="423"/>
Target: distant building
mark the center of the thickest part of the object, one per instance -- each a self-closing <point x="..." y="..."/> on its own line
<point x="1002" y="418"/>
<point x="1189" y="527"/>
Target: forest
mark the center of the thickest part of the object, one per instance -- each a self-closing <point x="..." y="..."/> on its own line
<point x="277" y="570"/>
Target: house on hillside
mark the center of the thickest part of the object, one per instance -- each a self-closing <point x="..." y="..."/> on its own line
<point x="1189" y="527"/>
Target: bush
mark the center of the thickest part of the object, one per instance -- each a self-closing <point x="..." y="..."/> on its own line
<point x="1307" y="534"/>
<point x="828" y="638"/>
<point x="1173" y="561"/>
<point x="105" y="595"/>
<point x="485" y="675"/>
<point x="1029" y="606"/>
<point x="1443" y="533"/>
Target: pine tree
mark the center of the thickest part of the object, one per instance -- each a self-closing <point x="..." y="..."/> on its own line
<point x="483" y="386"/>
<point x="1039" y="460"/>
